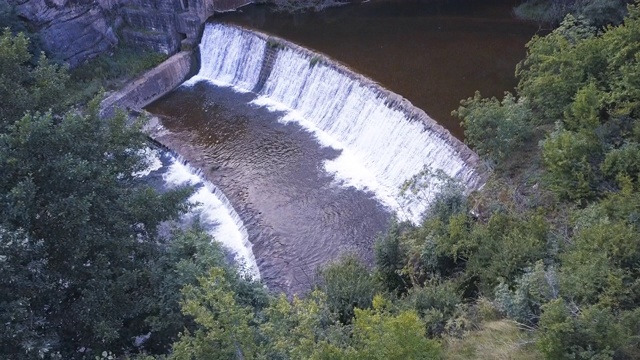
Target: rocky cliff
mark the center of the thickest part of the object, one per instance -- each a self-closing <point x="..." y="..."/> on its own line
<point x="76" y="30"/>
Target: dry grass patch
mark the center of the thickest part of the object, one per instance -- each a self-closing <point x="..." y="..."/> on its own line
<point x="496" y="340"/>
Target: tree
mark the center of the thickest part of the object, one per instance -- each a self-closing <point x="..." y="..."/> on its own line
<point x="189" y="256"/>
<point x="378" y="334"/>
<point x="435" y="302"/>
<point x="24" y="332"/>
<point x="68" y="187"/>
<point x="495" y="129"/>
<point x="224" y="325"/>
<point x="390" y="261"/>
<point x="600" y="266"/>
<point x="593" y="332"/>
<point x="24" y="87"/>
<point x="301" y="329"/>
<point x="348" y="284"/>
<point x="559" y="64"/>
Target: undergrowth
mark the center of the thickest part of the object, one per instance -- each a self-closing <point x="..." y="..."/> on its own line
<point x="110" y="71"/>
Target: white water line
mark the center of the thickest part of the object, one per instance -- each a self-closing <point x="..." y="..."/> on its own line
<point x="213" y="208"/>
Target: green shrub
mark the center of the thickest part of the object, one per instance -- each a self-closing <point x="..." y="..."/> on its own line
<point x="494" y="128"/>
<point x="390" y="260"/>
<point x="435" y="302"/>
<point x="348" y="284"/>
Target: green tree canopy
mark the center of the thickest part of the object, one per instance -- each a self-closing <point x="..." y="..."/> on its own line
<point x="24" y="87"/>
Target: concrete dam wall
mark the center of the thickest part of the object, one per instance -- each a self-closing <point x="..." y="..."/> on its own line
<point x="151" y="85"/>
<point x="384" y="139"/>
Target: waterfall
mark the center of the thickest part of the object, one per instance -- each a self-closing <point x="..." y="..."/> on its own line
<point x="216" y="213"/>
<point x="230" y="57"/>
<point x="384" y="140"/>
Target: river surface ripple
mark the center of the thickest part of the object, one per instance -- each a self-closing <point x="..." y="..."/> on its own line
<point x="298" y="217"/>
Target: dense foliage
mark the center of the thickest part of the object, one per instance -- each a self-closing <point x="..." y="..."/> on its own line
<point x="597" y="12"/>
<point x="574" y="209"/>
<point x="82" y="267"/>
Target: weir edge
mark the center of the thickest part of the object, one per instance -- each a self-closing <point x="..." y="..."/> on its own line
<point x="393" y="100"/>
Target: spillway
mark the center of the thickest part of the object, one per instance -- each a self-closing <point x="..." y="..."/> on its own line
<point x="310" y="155"/>
<point x="383" y="139"/>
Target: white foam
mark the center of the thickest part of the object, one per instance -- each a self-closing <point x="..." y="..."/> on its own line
<point x="152" y="157"/>
<point x="217" y="214"/>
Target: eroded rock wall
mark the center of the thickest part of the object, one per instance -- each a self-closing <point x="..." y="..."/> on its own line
<point x="76" y="30"/>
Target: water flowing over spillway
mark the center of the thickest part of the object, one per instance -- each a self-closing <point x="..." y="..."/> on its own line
<point x="232" y="57"/>
<point x="212" y="208"/>
<point x="215" y="212"/>
<point x="383" y="139"/>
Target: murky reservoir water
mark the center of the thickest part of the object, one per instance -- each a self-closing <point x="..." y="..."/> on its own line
<point x="313" y="161"/>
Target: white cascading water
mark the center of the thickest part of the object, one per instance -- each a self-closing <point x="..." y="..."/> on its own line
<point x="381" y="147"/>
<point x="215" y="212"/>
<point x="230" y="57"/>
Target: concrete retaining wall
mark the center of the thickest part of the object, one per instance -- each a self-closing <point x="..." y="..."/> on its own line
<point x="152" y="85"/>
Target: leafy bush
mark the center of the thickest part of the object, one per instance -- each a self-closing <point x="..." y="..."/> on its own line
<point x="390" y="260"/>
<point x="24" y="87"/>
<point x="435" y="302"/>
<point x="495" y="129"/>
<point x="566" y="332"/>
<point x="534" y="288"/>
<point x="348" y="284"/>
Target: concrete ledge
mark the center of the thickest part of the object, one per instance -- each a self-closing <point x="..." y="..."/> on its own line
<point x="152" y="85"/>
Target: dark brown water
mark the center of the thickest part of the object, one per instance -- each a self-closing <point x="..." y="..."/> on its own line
<point x="297" y="215"/>
<point x="432" y="54"/>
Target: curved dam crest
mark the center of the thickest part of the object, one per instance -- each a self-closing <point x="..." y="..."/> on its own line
<point x="309" y="154"/>
<point x="384" y="139"/>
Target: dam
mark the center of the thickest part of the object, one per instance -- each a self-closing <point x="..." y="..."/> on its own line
<point x="310" y="154"/>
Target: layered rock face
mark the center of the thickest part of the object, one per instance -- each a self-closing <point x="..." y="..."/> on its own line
<point x="76" y="30"/>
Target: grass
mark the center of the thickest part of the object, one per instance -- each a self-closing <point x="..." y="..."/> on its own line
<point x="496" y="340"/>
<point x="274" y="44"/>
<point x="111" y="71"/>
